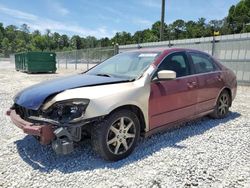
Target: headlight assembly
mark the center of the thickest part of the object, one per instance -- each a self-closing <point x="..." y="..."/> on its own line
<point x="69" y="111"/>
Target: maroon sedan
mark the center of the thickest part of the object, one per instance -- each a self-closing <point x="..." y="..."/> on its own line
<point x="131" y="94"/>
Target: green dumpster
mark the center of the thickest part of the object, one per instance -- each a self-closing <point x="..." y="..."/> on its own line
<point x="18" y="61"/>
<point x="35" y="62"/>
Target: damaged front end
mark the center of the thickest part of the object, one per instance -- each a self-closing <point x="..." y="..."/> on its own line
<point x="60" y="123"/>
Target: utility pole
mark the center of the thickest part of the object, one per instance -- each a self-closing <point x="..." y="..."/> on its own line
<point x="162" y="19"/>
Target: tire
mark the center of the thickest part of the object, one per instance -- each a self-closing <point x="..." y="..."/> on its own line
<point x="116" y="136"/>
<point x="222" y="105"/>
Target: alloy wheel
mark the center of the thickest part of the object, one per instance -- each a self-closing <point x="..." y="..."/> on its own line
<point x="121" y="135"/>
<point x="223" y="104"/>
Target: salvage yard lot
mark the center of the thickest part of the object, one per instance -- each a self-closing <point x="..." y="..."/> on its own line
<point x="204" y="153"/>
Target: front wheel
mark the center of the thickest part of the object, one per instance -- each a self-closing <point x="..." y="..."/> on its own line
<point x="222" y="106"/>
<point x="115" y="138"/>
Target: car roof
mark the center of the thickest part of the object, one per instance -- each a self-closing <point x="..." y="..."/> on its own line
<point x="165" y="50"/>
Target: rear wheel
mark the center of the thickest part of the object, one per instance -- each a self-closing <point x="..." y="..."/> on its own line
<point x="222" y="106"/>
<point x="116" y="137"/>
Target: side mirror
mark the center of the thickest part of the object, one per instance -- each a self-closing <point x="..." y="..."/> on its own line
<point x="166" y="75"/>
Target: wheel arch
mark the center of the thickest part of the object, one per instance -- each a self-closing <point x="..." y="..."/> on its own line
<point x="137" y="111"/>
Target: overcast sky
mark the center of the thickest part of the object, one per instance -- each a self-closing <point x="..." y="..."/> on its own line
<point x="103" y="18"/>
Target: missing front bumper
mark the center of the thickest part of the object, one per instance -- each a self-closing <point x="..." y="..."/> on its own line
<point x="43" y="131"/>
<point x="61" y="138"/>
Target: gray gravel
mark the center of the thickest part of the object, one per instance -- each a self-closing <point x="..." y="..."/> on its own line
<point x="204" y="153"/>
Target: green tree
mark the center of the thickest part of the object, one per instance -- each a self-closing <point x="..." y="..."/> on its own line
<point x="55" y="41"/>
<point x="148" y="36"/>
<point x="122" y="38"/>
<point x="64" y="42"/>
<point x="104" y="42"/>
<point x="239" y="17"/>
<point x="1" y="32"/>
<point x="90" y="42"/>
<point x="190" y="29"/>
<point x="39" y="42"/>
<point x="156" y="29"/>
<point x="138" y="37"/>
<point x="178" y="29"/>
<point x="6" y="47"/>
<point x="76" y="42"/>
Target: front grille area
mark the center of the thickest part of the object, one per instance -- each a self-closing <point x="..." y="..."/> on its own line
<point x="24" y="113"/>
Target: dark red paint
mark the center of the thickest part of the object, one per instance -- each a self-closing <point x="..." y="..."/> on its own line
<point x="188" y="97"/>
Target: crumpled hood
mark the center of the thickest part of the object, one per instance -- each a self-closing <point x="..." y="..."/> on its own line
<point x="33" y="97"/>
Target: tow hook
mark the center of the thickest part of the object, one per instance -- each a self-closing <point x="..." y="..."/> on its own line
<point x="63" y="144"/>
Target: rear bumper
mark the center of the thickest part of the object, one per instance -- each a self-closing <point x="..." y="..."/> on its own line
<point x="43" y="131"/>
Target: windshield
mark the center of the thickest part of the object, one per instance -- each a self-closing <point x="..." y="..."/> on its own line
<point x="129" y="65"/>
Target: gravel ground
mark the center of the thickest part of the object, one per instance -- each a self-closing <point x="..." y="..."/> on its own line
<point x="204" y="153"/>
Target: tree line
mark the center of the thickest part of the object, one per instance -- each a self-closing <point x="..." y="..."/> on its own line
<point x="15" y="39"/>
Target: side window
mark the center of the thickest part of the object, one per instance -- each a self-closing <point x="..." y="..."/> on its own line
<point x="202" y="63"/>
<point x="176" y="62"/>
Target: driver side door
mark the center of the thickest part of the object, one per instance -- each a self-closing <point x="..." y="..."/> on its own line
<point x="173" y="100"/>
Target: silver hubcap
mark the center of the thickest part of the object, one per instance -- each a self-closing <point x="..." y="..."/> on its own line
<point x="121" y="135"/>
<point x="223" y="104"/>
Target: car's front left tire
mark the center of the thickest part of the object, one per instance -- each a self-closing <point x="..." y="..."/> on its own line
<point x="116" y="136"/>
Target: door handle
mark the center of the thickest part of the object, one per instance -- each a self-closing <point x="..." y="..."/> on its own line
<point x="191" y="85"/>
<point x="194" y="84"/>
<point x="219" y="78"/>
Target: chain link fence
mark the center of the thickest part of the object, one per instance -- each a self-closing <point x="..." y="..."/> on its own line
<point x="83" y="59"/>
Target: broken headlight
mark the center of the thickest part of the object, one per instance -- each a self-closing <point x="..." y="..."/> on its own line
<point x="70" y="111"/>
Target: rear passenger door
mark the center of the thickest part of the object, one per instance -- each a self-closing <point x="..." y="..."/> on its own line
<point x="209" y="78"/>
